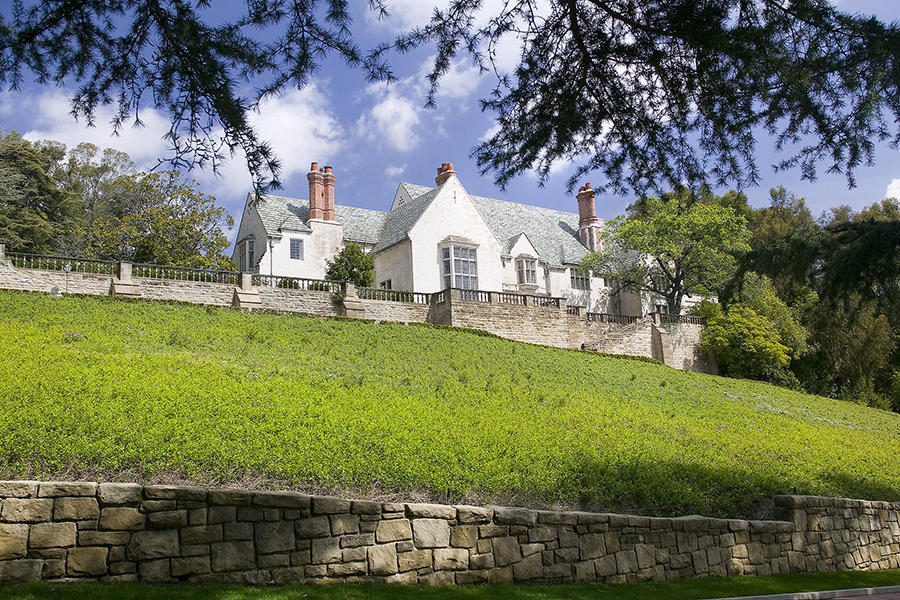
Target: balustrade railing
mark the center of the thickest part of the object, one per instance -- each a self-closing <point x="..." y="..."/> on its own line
<point x="608" y="318"/>
<point x="59" y="263"/>
<point x="543" y="301"/>
<point x="298" y="283"/>
<point x="665" y="319"/>
<point x="573" y="310"/>
<point x="505" y="298"/>
<point x="150" y="271"/>
<point x="393" y="295"/>
<point x="475" y="295"/>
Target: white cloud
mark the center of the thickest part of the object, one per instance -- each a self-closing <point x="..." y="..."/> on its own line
<point x="893" y="189"/>
<point x="53" y="121"/>
<point x="491" y="132"/>
<point x="405" y="14"/>
<point x="392" y="171"/>
<point x="392" y="119"/>
<point x="298" y="124"/>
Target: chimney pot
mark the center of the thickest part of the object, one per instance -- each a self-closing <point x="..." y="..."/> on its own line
<point x="444" y="172"/>
<point x="328" y="169"/>
<point x="314" y="166"/>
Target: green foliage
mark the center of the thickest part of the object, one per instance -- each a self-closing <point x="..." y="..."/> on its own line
<point x="351" y="264"/>
<point x="758" y="293"/>
<point x="706" y="309"/>
<point x="34" y="213"/>
<point x="157" y="390"/>
<point x="160" y="218"/>
<point x="745" y="344"/>
<point x="690" y="238"/>
<point x="701" y="77"/>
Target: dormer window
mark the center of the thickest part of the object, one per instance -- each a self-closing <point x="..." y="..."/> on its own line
<point x="527" y="271"/>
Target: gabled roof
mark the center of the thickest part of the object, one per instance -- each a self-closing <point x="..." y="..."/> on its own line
<point x="400" y="220"/>
<point x="553" y="233"/>
<point x="279" y="214"/>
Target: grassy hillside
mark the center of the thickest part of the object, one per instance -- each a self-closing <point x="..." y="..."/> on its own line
<point x="118" y="389"/>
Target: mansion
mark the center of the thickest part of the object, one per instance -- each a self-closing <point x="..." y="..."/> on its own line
<point x="434" y="238"/>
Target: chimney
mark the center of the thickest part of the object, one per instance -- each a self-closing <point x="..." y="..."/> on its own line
<point x="316" y="192"/>
<point x="443" y="173"/>
<point x="329" y="196"/>
<point x="588" y="223"/>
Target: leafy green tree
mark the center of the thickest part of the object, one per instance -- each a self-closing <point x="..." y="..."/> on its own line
<point x="92" y="175"/>
<point x="351" y="264"/>
<point x="758" y="293"/>
<point x="746" y="344"/>
<point x="671" y="246"/>
<point x="648" y="92"/>
<point x="34" y="212"/>
<point x="161" y="218"/>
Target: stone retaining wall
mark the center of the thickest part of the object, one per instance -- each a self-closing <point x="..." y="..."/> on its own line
<point x="115" y="532"/>
<point x="550" y="326"/>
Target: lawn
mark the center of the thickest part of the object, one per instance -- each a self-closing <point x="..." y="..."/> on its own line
<point x="137" y="390"/>
<point x="682" y="589"/>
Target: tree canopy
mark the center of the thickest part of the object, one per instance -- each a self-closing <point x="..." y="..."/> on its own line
<point x="650" y="93"/>
<point x="677" y="244"/>
<point x="351" y="264"/>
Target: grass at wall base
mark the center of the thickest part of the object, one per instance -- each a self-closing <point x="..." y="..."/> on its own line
<point x="681" y="589"/>
<point x="100" y="388"/>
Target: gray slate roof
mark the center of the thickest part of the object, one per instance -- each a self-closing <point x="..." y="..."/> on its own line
<point x="279" y="213"/>
<point x="553" y="233"/>
<point x="400" y="220"/>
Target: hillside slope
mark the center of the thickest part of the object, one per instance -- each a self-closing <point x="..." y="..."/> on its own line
<point x="142" y="390"/>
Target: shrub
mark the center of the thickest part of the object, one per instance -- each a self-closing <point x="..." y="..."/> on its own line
<point x="351" y="264"/>
<point x="746" y="344"/>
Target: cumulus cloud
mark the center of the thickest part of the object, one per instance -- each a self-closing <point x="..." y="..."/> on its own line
<point x="392" y="119"/>
<point x="392" y="171"/>
<point x="893" y="189"/>
<point x="298" y="124"/>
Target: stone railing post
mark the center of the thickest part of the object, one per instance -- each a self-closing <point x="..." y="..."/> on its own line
<point x="246" y="282"/>
<point x="455" y="295"/>
<point x="562" y="306"/>
<point x="125" y="272"/>
<point x="2" y="252"/>
<point x="494" y="297"/>
<point x="349" y="289"/>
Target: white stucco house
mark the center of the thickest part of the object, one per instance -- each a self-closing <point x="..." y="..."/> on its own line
<point x="434" y="238"/>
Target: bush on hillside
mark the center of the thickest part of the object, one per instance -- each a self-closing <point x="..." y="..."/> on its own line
<point x="747" y="344"/>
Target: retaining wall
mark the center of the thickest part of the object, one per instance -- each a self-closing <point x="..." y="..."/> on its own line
<point x="115" y="532"/>
<point x="678" y="345"/>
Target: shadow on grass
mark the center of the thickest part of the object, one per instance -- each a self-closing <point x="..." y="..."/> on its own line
<point x="684" y="589"/>
<point x="669" y="488"/>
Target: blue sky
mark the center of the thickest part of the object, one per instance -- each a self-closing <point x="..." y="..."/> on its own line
<point x="376" y="135"/>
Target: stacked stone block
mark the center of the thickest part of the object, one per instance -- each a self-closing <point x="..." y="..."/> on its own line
<point x="167" y="534"/>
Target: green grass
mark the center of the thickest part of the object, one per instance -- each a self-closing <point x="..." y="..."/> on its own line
<point x="150" y="390"/>
<point x="682" y="589"/>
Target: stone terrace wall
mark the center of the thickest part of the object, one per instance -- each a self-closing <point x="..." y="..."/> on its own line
<point x="551" y="326"/>
<point x="128" y="532"/>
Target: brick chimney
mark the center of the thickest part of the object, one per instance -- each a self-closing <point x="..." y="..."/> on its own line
<point x="588" y="223"/>
<point x="316" y="192"/>
<point x="443" y="173"/>
<point x="329" y="196"/>
<point x="321" y="193"/>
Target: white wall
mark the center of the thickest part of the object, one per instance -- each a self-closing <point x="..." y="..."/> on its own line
<point x="395" y="263"/>
<point x="451" y="213"/>
<point x="251" y="227"/>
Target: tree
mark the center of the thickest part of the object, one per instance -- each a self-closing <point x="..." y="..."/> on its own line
<point x="162" y="219"/>
<point x="351" y="264"/>
<point x="758" y="293"/>
<point x="649" y="92"/>
<point x="746" y="344"/>
<point x="92" y="175"/>
<point x="34" y="213"/>
<point x="674" y="245"/>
